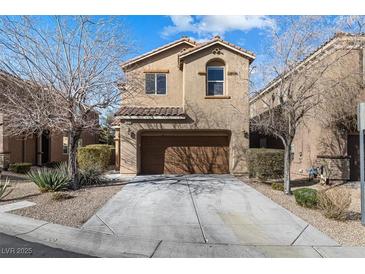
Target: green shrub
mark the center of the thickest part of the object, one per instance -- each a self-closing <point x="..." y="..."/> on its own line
<point x="266" y="163"/>
<point x="94" y="157"/>
<point x="21" y="168"/>
<point x="306" y="197"/>
<point x="90" y="176"/>
<point x="49" y="180"/>
<point x="277" y="186"/>
<point x="4" y="189"/>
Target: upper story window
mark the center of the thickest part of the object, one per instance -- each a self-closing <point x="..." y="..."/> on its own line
<point x="215" y="78"/>
<point x="156" y="83"/>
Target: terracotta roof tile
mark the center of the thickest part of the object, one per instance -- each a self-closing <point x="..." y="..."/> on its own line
<point x="151" y="111"/>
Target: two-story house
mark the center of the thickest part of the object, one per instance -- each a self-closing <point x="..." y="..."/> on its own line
<point x="190" y="113"/>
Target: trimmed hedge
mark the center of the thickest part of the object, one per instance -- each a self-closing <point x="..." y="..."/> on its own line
<point x="306" y="197"/>
<point x="94" y="157"/>
<point x="21" y="168"/>
<point x="264" y="163"/>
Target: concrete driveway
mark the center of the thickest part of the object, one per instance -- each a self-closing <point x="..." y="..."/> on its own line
<point x="213" y="209"/>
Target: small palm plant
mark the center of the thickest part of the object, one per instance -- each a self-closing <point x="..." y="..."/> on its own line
<point x="49" y="180"/>
<point x="4" y="189"/>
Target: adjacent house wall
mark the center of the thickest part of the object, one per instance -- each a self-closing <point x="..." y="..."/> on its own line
<point x="312" y="139"/>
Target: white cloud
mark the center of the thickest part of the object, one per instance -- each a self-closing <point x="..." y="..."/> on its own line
<point x="209" y="25"/>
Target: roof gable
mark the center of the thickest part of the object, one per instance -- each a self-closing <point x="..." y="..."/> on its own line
<point x="218" y="41"/>
<point x="139" y="58"/>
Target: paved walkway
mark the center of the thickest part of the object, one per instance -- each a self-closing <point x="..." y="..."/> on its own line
<point x="183" y="216"/>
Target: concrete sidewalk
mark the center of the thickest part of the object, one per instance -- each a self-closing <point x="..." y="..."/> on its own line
<point x="105" y="245"/>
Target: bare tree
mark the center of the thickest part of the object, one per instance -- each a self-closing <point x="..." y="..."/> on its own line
<point x="295" y="93"/>
<point x="70" y="65"/>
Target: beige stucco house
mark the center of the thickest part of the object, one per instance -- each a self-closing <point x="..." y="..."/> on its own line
<point x="316" y="143"/>
<point x="185" y="110"/>
<point x="38" y="149"/>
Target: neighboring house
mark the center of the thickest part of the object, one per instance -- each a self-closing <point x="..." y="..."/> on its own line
<point x="316" y="144"/>
<point x="37" y="149"/>
<point x="189" y="112"/>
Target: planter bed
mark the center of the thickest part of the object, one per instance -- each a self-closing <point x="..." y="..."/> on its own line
<point x="350" y="232"/>
<point x="69" y="212"/>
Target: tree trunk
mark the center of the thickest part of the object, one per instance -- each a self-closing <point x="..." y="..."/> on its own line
<point x="74" y="137"/>
<point x="287" y="153"/>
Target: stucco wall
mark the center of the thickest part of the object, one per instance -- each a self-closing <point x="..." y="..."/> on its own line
<point x="229" y="113"/>
<point x="165" y="61"/>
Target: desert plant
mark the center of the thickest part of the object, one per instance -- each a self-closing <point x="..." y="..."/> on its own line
<point x="62" y="167"/>
<point x="4" y="191"/>
<point x="266" y="163"/>
<point x="277" y="186"/>
<point x="60" y="196"/>
<point x="90" y="176"/>
<point x="306" y="197"/>
<point x="21" y="168"/>
<point x="49" y="180"/>
<point x="334" y="203"/>
<point x="94" y="157"/>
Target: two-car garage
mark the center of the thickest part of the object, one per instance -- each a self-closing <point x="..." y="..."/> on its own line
<point x="184" y="152"/>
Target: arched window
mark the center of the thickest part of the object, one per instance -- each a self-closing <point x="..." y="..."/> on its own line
<point x="215" y="78"/>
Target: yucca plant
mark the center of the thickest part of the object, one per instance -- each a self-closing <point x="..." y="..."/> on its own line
<point x="4" y="189"/>
<point x="49" y="180"/>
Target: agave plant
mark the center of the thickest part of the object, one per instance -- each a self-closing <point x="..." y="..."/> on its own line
<point x="62" y="167"/>
<point x="49" y="180"/>
<point x="4" y="189"/>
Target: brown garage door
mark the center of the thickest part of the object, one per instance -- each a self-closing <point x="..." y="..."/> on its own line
<point x="184" y="154"/>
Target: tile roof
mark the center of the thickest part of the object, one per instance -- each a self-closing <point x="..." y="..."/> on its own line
<point x="214" y="40"/>
<point x="151" y="111"/>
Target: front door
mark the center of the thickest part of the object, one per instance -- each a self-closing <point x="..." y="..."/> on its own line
<point x="353" y="151"/>
<point x="45" y="147"/>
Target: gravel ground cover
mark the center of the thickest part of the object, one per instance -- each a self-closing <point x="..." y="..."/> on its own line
<point x="349" y="233"/>
<point x="74" y="211"/>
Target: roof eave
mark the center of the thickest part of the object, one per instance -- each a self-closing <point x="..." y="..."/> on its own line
<point x="249" y="56"/>
<point x="137" y="59"/>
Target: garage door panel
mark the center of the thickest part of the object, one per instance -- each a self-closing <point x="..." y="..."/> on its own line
<point x="184" y="154"/>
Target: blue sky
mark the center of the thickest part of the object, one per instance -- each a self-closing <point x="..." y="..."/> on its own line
<point x="149" y="32"/>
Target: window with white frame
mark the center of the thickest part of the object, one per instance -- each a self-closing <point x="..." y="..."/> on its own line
<point x="65" y="145"/>
<point x="215" y="80"/>
<point x="156" y="83"/>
